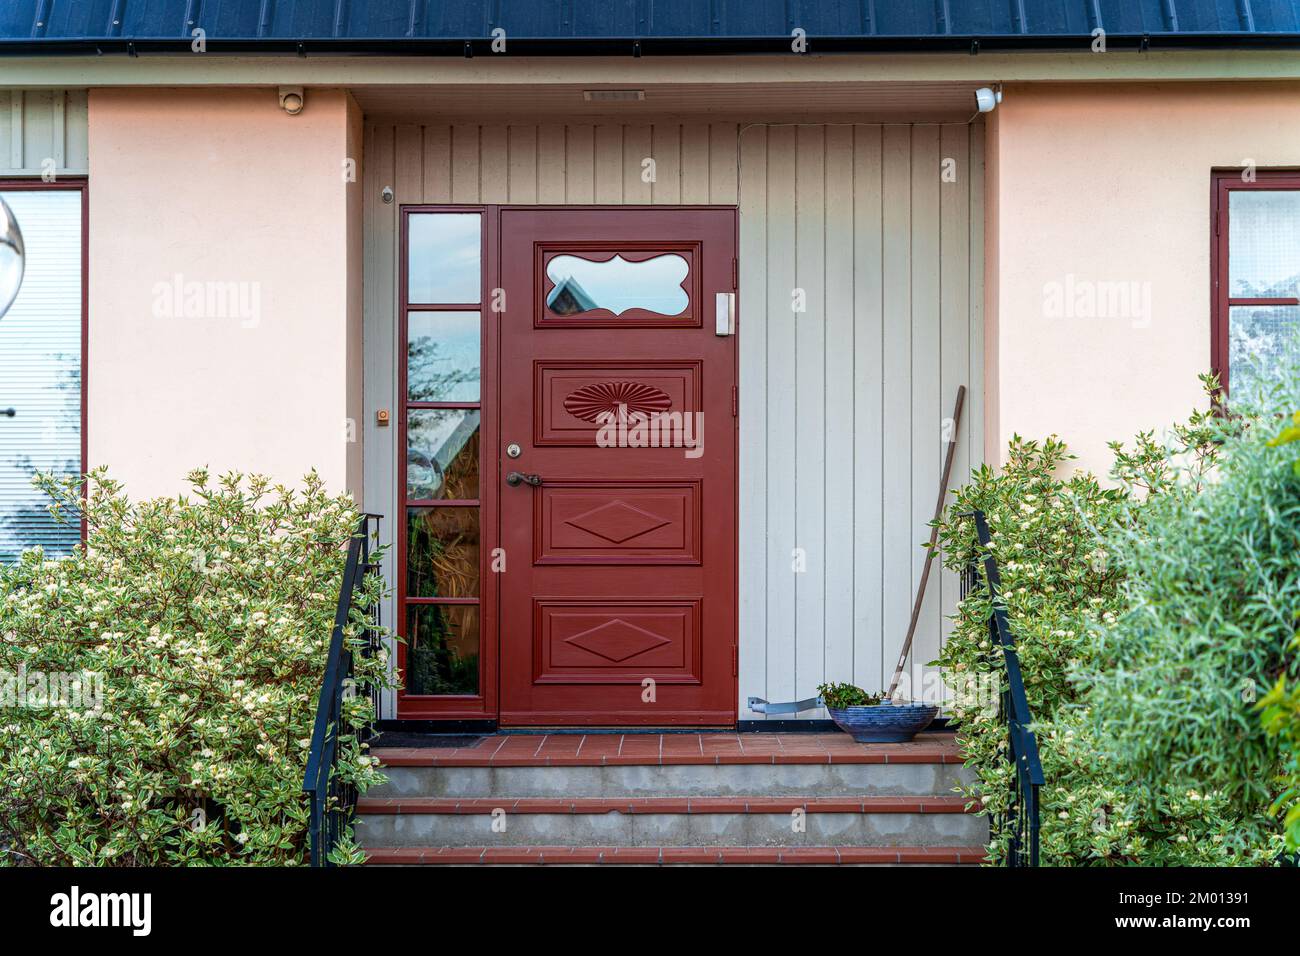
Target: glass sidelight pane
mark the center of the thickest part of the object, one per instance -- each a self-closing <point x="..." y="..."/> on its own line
<point x="1261" y="341"/>
<point x="617" y="284"/>
<point x="442" y="649"/>
<point x="442" y="357"/>
<point x="442" y="453"/>
<point x="442" y="552"/>
<point x="443" y="258"/>
<point x="1264" y="244"/>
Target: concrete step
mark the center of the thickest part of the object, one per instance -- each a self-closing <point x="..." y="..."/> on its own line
<point x="717" y="821"/>
<point x="672" y="799"/>
<point x="829" y="765"/>
<point x="677" y="856"/>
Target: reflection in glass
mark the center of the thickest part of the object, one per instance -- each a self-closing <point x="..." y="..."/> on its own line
<point x="443" y="252"/>
<point x="442" y="649"/>
<point x="1262" y="341"/>
<point x="442" y="552"/>
<point x="442" y="357"/>
<point x="582" y="285"/>
<point x="1263" y="244"/>
<point x="442" y="453"/>
<point x="13" y="257"/>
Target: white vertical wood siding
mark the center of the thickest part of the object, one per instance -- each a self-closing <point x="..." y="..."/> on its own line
<point x="842" y="405"/>
<point x="43" y="131"/>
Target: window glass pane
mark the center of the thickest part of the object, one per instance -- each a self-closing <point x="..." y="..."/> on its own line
<point x="40" y="371"/>
<point x="1261" y="342"/>
<point x="583" y="285"/>
<point x="442" y="357"/>
<point x="442" y="648"/>
<point x="442" y="453"/>
<point x="1263" y="244"/>
<point x="442" y="552"/>
<point x="444" y="249"/>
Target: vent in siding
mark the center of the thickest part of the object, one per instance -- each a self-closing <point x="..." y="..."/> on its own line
<point x="40" y="371"/>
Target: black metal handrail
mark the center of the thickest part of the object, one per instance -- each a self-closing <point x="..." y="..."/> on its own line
<point x="331" y="800"/>
<point x="1021" y="818"/>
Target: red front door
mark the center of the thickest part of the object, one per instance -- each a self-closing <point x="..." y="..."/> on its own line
<point x="617" y="416"/>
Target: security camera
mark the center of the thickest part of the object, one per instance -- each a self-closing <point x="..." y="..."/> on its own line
<point x="292" y="100"/>
<point x="986" y="99"/>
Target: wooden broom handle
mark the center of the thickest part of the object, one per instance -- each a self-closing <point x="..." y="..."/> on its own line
<point x="934" y="536"/>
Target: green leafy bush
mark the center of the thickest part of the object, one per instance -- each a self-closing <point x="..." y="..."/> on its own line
<point x="1281" y="720"/>
<point x="1280" y="708"/>
<point x="1211" y="594"/>
<point x="1135" y="642"/>
<point x="201" y="626"/>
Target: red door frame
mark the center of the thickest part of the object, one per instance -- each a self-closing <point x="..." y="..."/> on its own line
<point x="1224" y="182"/>
<point x="486" y="705"/>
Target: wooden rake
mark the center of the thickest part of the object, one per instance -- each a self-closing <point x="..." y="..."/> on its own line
<point x="934" y="537"/>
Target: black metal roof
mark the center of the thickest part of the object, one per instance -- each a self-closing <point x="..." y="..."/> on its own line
<point x="636" y="26"/>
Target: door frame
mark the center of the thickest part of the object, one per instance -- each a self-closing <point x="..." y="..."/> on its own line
<point x="486" y="705"/>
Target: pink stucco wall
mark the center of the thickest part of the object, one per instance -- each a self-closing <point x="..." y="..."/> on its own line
<point x="225" y="286"/>
<point x="1111" y="184"/>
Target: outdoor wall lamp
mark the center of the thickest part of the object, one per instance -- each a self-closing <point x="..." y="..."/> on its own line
<point x="13" y="256"/>
<point x="986" y="99"/>
<point x="292" y="100"/>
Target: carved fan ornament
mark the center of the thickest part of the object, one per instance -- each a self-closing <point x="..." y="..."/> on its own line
<point x="605" y="398"/>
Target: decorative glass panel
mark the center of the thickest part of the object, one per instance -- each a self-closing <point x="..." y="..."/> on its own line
<point x="442" y="453"/>
<point x="442" y="357"/>
<point x="617" y="284"/>
<point x="443" y="264"/>
<point x="1263" y="244"/>
<point x="442" y="552"/>
<point x="1261" y="341"/>
<point x="442" y="649"/>
<point x="40" y="372"/>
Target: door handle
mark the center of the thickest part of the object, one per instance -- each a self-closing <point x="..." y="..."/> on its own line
<point x="724" y="313"/>
<point x="519" y="477"/>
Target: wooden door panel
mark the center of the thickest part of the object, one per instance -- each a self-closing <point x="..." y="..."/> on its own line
<point x="599" y="641"/>
<point x="618" y="603"/>
<point x="572" y="397"/>
<point x="600" y="522"/>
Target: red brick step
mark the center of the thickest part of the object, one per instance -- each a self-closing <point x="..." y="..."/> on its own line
<point x="587" y="750"/>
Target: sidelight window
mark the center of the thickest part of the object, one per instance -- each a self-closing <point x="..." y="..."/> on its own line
<point x="441" y="419"/>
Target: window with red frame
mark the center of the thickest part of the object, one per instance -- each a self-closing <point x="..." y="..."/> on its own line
<point x="1255" y="279"/>
<point x="41" y="359"/>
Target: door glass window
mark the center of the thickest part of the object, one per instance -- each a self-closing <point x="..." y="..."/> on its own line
<point x="445" y="257"/>
<point x="618" y="285"/>
<point x="442" y="354"/>
<point x="439" y="578"/>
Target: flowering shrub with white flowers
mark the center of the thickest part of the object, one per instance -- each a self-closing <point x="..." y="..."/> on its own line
<point x="158" y="687"/>
<point x="1151" y="752"/>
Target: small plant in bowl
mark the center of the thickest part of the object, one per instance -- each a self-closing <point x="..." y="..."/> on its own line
<point x="844" y="696"/>
<point x="870" y="718"/>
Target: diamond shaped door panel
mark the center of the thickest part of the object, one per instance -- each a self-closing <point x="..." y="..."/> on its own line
<point x="574" y="399"/>
<point x="609" y="642"/>
<point x="605" y="522"/>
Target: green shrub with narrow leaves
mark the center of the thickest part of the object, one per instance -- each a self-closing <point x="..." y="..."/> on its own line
<point x="1211" y="595"/>
<point x="195" y="629"/>
<point x="1280" y="707"/>
<point x="1147" y="743"/>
